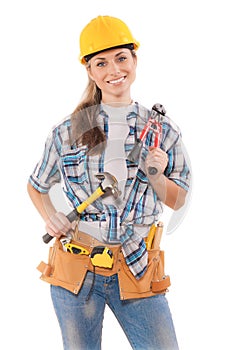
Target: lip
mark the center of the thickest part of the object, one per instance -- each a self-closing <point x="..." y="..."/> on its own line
<point x="116" y="81"/>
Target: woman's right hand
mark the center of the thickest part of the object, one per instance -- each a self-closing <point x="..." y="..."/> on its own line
<point x="58" y="225"/>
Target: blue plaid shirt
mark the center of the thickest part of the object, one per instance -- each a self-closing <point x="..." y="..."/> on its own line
<point x="64" y="162"/>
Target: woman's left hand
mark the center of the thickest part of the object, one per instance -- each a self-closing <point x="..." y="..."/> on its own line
<point x="156" y="158"/>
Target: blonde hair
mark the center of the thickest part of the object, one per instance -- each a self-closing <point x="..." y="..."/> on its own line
<point x="84" y="126"/>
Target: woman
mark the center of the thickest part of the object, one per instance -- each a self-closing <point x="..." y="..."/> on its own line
<point x="107" y="253"/>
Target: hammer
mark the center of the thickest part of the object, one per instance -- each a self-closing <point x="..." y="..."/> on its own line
<point x="109" y="183"/>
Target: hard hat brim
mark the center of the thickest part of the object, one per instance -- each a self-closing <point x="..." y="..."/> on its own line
<point x="87" y="58"/>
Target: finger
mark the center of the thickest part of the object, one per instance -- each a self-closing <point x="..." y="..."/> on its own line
<point x="159" y="155"/>
<point x="156" y="150"/>
<point x="52" y="231"/>
<point x="73" y="225"/>
<point x="58" y="223"/>
<point x="63" y="222"/>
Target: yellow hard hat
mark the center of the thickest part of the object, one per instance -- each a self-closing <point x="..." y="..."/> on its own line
<point x="104" y="32"/>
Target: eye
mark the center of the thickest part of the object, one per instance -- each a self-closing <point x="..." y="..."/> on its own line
<point x="101" y="64"/>
<point x="122" y="58"/>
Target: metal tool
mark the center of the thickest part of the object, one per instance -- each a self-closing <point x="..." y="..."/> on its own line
<point x="158" y="133"/>
<point x="135" y="153"/>
<point x="109" y="183"/>
<point x="154" y="124"/>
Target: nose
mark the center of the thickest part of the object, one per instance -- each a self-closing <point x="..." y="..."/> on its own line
<point x="113" y="68"/>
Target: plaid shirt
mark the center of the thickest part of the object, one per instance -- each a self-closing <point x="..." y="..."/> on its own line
<point x="64" y="162"/>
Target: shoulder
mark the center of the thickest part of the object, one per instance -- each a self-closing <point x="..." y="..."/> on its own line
<point x="60" y="134"/>
<point x="170" y="124"/>
<point x="62" y="125"/>
<point x="144" y="112"/>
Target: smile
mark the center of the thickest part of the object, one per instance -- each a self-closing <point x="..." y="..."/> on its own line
<point x="117" y="81"/>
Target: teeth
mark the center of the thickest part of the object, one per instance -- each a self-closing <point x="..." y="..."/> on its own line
<point x="116" y="81"/>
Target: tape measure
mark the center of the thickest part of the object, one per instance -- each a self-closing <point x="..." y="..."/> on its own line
<point x="75" y="249"/>
<point x="102" y="256"/>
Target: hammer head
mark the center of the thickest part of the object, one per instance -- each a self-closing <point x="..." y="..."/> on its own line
<point x="109" y="182"/>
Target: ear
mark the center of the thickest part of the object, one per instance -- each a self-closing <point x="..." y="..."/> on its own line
<point x="135" y="60"/>
<point x="88" y="68"/>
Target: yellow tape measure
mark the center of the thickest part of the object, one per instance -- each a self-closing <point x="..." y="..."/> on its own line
<point x="102" y="257"/>
<point x="76" y="249"/>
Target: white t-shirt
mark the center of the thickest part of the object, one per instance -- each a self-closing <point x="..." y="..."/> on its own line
<point x="114" y="160"/>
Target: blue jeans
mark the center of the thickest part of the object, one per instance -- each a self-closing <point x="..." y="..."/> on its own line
<point x="147" y="322"/>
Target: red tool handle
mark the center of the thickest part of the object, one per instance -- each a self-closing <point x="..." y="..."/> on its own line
<point x="145" y="130"/>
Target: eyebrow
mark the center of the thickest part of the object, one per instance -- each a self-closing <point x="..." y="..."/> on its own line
<point x="103" y="58"/>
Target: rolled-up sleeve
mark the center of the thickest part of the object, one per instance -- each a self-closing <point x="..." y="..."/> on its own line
<point x="46" y="172"/>
<point x="178" y="168"/>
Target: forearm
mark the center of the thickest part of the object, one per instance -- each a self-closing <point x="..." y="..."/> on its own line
<point x="57" y="223"/>
<point x="42" y="202"/>
<point x="168" y="191"/>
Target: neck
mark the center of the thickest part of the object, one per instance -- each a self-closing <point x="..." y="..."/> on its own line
<point x="121" y="99"/>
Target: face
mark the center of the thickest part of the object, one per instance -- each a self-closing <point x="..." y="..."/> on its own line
<point x="114" y="71"/>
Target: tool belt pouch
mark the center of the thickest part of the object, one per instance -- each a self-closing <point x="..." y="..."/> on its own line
<point x="64" y="269"/>
<point x="154" y="281"/>
<point x="160" y="281"/>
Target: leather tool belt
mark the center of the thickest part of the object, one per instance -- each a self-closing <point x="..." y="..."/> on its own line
<point x="69" y="270"/>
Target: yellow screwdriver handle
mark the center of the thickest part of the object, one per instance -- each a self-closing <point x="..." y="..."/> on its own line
<point x="150" y="237"/>
<point x="158" y="235"/>
<point x="95" y="195"/>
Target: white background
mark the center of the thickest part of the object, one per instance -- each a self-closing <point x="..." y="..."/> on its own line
<point x="184" y="62"/>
